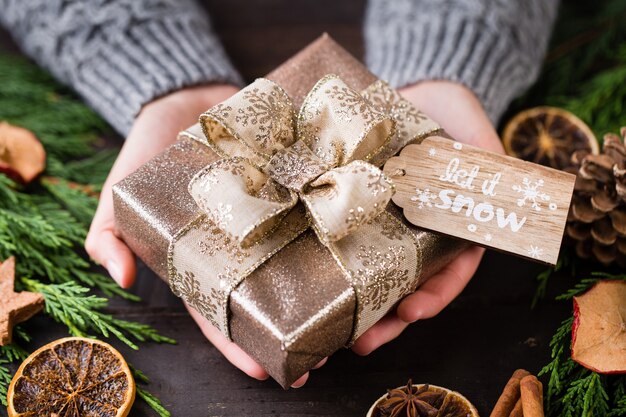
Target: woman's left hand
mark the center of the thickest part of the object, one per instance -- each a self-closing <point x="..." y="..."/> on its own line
<point x="459" y="112"/>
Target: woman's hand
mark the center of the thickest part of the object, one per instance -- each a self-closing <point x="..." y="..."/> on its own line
<point x="459" y="112"/>
<point x="455" y="108"/>
<point x="155" y="128"/>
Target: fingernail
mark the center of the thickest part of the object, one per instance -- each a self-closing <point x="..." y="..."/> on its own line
<point x="419" y="314"/>
<point x="298" y="384"/>
<point x="321" y="363"/>
<point x="410" y="316"/>
<point x="115" y="271"/>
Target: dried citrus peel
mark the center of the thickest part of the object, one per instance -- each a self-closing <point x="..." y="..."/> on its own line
<point x="22" y="156"/>
<point x="599" y="329"/>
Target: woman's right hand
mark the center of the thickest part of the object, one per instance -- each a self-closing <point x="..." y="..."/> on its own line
<point x="155" y="128"/>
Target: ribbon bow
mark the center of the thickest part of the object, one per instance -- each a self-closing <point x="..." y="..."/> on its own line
<point x="273" y="159"/>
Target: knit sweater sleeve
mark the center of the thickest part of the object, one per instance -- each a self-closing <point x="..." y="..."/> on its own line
<point x="494" y="47"/>
<point x="120" y="54"/>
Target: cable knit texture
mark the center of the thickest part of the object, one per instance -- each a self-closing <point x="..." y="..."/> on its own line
<point x="120" y="54"/>
<point x="494" y="47"/>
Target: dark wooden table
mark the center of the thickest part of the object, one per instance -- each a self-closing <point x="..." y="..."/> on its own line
<point x="473" y="346"/>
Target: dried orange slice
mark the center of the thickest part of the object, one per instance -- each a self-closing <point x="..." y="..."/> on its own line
<point x="422" y="400"/>
<point x="548" y="136"/>
<point x="72" y="377"/>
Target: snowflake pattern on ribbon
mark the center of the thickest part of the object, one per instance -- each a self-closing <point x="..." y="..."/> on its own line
<point x="531" y="193"/>
<point x="222" y="216"/>
<point x="423" y="198"/>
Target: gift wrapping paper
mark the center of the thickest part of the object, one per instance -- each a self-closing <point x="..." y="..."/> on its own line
<point x="300" y="304"/>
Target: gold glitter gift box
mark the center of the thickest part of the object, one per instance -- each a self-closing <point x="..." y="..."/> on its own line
<point x="298" y="306"/>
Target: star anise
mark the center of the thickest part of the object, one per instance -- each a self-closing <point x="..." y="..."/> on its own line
<point x="411" y="401"/>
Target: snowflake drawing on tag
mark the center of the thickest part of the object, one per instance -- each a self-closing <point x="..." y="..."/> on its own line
<point x="432" y="152"/>
<point x="488" y="237"/>
<point x="534" y="252"/>
<point x="423" y="198"/>
<point x="531" y="193"/>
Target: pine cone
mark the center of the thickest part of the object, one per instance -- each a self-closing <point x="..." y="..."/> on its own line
<point x="597" y="217"/>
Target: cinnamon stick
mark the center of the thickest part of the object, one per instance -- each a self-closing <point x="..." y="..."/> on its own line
<point x="517" y="410"/>
<point x="532" y="396"/>
<point x="510" y="395"/>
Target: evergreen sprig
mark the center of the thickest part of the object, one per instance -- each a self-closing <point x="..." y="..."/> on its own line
<point x="38" y="228"/>
<point x="8" y="354"/>
<point x="600" y="100"/>
<point x="44" y="224"/>
<point x="585" y="283"/>
<point x="150" y="399"/>
<point x="74" y="306"/>
<point x="619" y="404"/>
<point x="586" y="397"/>
<point x="586" y="65"/>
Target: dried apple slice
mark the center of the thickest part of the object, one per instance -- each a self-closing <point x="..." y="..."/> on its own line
<point x="22" y="156"/>
<point x="599" y="329"/>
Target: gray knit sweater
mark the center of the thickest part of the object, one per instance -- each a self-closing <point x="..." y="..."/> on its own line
<point x="121" y="54"/>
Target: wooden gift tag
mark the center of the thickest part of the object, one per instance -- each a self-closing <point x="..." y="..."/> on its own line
<point x="490" y="199"/>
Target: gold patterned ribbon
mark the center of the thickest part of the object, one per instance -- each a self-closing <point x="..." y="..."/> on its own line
<point x="273" y="162"/>
<point x="282" y="173"/>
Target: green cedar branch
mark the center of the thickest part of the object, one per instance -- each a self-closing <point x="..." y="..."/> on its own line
<point x="42" y="232"/>
<point x="151" y="400"/>
<point x="45" y="223"/>
<point x="586" y="283"/>
<point x="70" y="304"/>
<point x="8" y="354"/>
